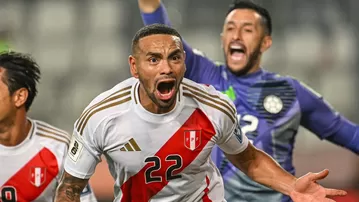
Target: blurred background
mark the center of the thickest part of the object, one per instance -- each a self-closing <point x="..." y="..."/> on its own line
<point x="82" y="47"/>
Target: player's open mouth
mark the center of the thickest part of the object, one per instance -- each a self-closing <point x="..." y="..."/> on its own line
<point x="166" y="89"/>
<point x="237" y="51"/>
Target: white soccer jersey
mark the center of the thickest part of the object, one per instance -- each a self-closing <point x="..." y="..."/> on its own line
<point x="31" y="170"/>
<point x="157" y="157"/>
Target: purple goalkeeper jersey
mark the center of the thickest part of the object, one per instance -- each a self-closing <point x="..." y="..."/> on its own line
<point x="270" y="110"/>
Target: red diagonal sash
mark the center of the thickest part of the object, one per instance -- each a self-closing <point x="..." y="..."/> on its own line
<point x="32" y="179"/>
<point x="135" y="188"/>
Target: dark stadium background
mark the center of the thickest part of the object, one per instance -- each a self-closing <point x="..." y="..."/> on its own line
<point x="83" y="45"/>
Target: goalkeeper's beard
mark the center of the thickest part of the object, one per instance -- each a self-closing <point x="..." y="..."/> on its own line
<point x="252" y="60"/>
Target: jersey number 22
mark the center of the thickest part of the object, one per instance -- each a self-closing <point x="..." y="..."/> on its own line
<point x="172" y="163"/>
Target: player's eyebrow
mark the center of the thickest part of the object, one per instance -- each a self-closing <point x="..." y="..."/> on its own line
<point x="153" y="54"/>
<point x="248" y="24"/>
<point x="230" y="23"/>
<point x="243" y="24"/>
<point x="175" y="52"/>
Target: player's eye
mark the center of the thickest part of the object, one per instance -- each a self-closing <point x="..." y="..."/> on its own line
<point x="153" y="60"/>
<point x="248" y="30"/>
<point x="230" y="28"/>
<point x="176" y="57"/>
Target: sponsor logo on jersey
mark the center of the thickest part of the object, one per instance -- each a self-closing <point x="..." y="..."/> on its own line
<point x="37" y="176"/>
<point x="75" y="149"/>
<point x="192" y="139"/>
<point x="272" y="104"/>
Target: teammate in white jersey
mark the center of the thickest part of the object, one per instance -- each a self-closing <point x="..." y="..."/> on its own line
<point x="31" y="151"/>
<point x="157" y="131"/>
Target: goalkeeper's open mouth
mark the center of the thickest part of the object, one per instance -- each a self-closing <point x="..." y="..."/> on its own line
<point x="237" y="51"/>
<point x="165" y="89"/>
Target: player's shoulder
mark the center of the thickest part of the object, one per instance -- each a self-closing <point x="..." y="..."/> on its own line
<point x="278" y="77"/>
<point x="192" y="86"/>
<point x="121" y="89"/>
<point x="301" y="85"/>
<point x="275" y="80"/>
<point x="210" y="100"/>
<point x="115" y="100"/>
<point x="290" y="83"/>
<point x="49" y="135"/>
<point x="119" y="94"/>
<point x="206" y="60"/>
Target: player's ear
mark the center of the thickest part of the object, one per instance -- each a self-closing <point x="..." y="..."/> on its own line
<point x="266" y="43"/>
<point x="133" y="66"/>
<point x="20" y="96"/>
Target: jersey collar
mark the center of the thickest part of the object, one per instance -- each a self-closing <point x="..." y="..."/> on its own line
<point x="24" y="143"/>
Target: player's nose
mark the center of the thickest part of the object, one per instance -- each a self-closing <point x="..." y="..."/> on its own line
<point x="165" y="68"/>
<point x="237" y="35"/>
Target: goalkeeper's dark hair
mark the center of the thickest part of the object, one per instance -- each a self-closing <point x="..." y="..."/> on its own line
<point x="152" y="30"/>
<point x="246" y="4"/>
<point x="21" y="72"/>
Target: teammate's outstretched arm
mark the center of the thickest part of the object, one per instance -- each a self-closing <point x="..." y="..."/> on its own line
<point x="199" y="68"/>
<point x="321" y="119"/>
<point x="80" y="162"/>
<point x="263" y="169"/>
<point x="70" y="188"/>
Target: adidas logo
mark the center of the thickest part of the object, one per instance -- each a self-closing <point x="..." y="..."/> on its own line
<point x="131" y="145"/>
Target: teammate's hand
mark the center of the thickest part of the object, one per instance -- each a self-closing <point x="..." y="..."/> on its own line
<point x="306" y="189"/>
<point x="148" y="6"/>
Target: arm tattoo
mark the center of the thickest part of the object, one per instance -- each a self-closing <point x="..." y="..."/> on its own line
<point x="70" y="188"/>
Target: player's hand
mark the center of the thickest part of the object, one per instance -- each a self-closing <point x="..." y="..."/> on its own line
<point x="306" y="189"/>
<point x="148" y="6"/>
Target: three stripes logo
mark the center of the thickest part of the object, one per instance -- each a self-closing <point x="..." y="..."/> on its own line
<point x="131" y="145"/>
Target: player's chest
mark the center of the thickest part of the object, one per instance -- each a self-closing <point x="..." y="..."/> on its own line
<point x="26" y="176"/>
<point x="265" y="111"/>
<point x="165" y="149"/>
<point x="267" y="100"/>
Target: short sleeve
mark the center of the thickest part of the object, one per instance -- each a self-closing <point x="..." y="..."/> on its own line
<point x="87" y="194"/>
<point x="234" y="141"/>
<point x="84" y="152"/>
<point x="230" y="137"/>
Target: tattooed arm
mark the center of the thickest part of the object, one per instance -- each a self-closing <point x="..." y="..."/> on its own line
<point x="70" y="188"/>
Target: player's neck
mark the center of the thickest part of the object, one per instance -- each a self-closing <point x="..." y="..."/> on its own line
<point x="255" y="67"/>
<point x="249" y="69"/>
<point x="14" y="131"/>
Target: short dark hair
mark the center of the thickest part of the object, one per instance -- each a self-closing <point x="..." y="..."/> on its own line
<point x="266" y="18"/>
<point x="21" y="72"/>
<point x="152" y="30"/>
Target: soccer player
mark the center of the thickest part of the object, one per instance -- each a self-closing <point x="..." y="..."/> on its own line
<point x="31" y="151"/>
<point x="157" y="131"/>
<point x="270" y="107"/>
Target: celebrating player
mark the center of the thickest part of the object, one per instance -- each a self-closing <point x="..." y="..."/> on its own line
<point x="157" y="131"/>
<point x="31" y="151"/>
<point x="270" y="107"/>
